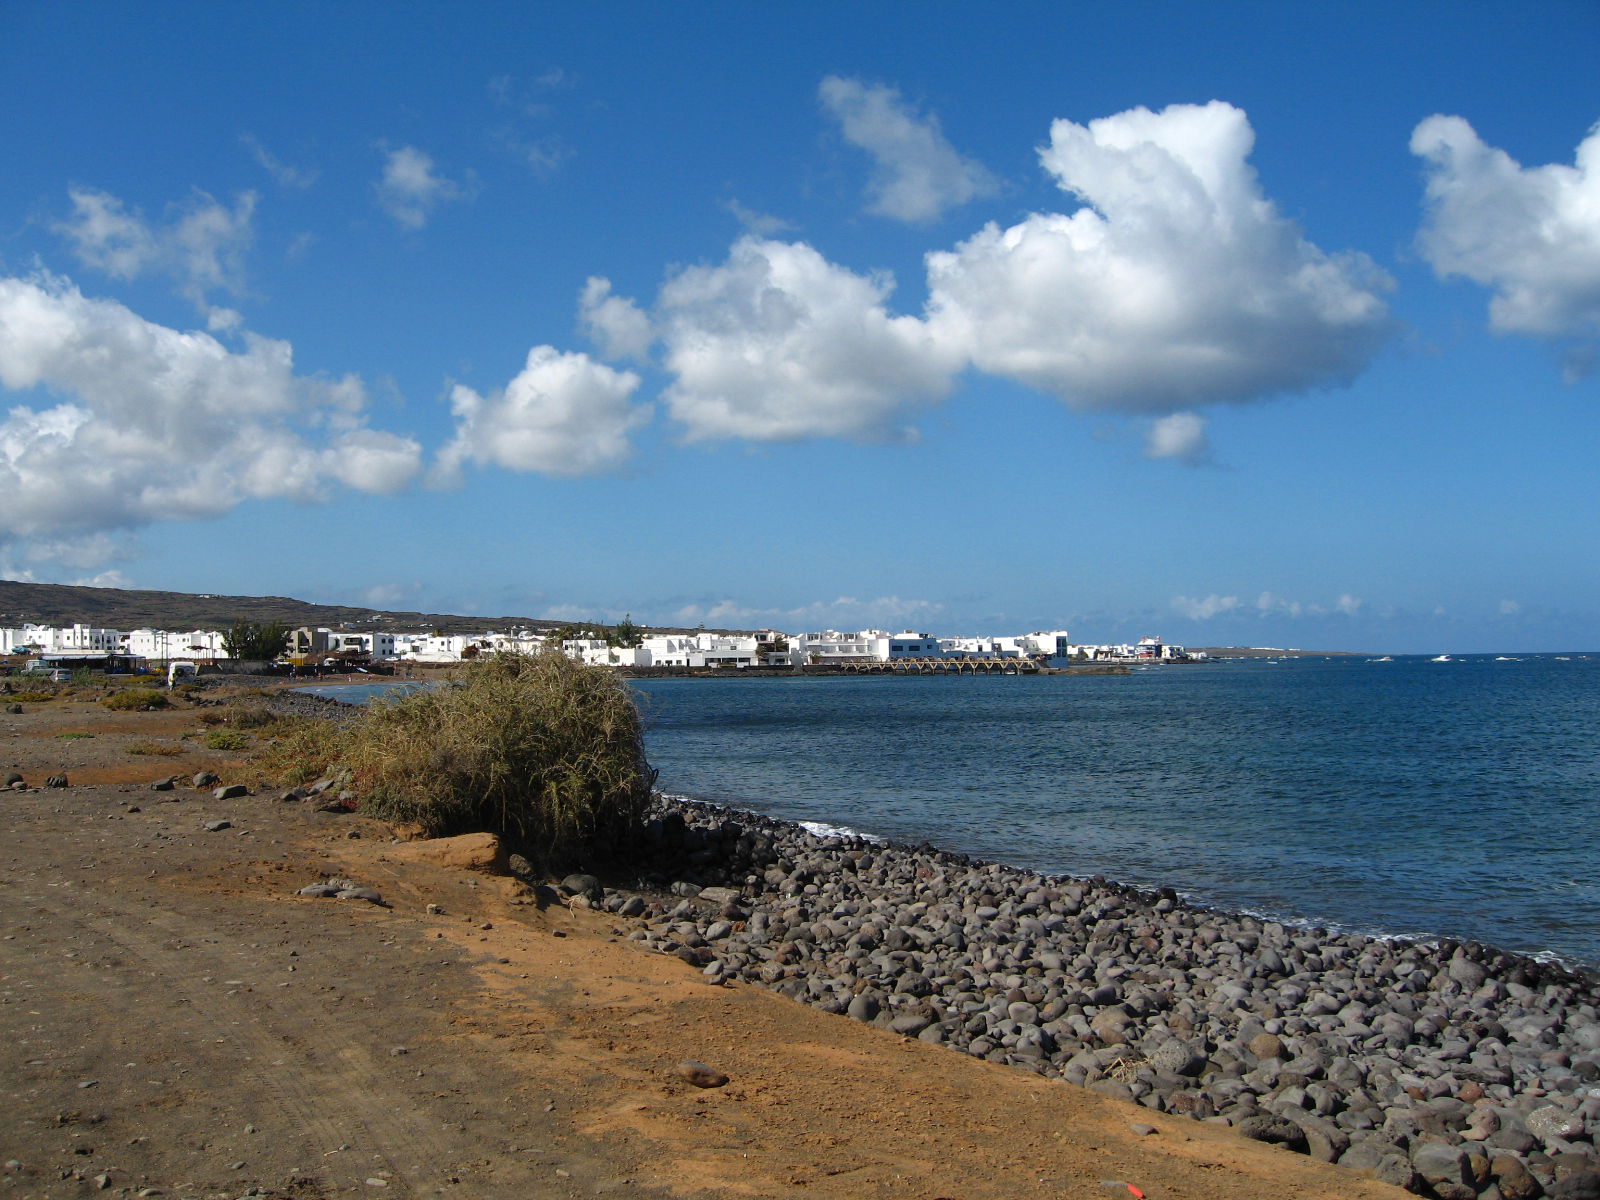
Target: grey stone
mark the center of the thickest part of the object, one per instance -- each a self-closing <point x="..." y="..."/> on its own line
<point x="1552" y="1121"/>
<point x="583" y="885"/>
<point x="1177" y="1057"/>
<point x="1274" y="1130"/>
<point x="217" y="826"/>
<point x="1584" y="1185"/>
<point x="1440" y="1163"/>
<point x="862" y="1008"/>
<point x="230" y="791"/>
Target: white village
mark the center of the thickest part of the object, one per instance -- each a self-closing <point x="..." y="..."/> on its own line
<point x="77" y="646"/>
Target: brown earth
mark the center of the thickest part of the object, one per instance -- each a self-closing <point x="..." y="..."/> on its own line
<point x="175" y="1019"/>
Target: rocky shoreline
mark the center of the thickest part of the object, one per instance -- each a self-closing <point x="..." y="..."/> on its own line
<point x="1452" y="1070"/>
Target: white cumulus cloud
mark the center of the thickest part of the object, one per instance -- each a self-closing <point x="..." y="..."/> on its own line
<point x="1177" y="284"/>
<point x="779" y="343"/>
<point x="201" y="247"/>
<point x="917" y="173"/>
<point x="411" y="189"/>
<point x="1532" y="234"/>
<point x="614" y="323"/>
<point x="137" y="423"/>
<point x="563" y="414"/>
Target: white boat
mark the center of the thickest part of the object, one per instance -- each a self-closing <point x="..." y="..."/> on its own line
<point x="1442" y="658"/>
<point x="1385" y="658"/>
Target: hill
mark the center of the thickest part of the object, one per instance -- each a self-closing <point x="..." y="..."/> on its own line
<point x="118" y="608"/>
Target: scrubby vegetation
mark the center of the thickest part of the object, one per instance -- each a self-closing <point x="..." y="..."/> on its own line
<point x="135" y="699"/>
<point x="156" y="749"/>
<point x="240" y="716"/>
<point x="225" y="739"/>
<point x="540" y="749"/>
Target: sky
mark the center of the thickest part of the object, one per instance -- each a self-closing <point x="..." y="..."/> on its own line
<point x="1234" y="324"/>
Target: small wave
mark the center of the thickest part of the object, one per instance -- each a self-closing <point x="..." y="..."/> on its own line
<point x="822" y="829"/>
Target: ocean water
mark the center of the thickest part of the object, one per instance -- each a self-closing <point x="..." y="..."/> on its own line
<point x="1409" y="798"/>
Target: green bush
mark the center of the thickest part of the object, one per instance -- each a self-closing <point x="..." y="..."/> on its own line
<point x="132" y="699"/>
<point x="540" y="749"/>
<point x="226" y="739"/>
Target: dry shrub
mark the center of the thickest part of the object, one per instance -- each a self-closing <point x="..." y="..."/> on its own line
<point x="540" y="749"/>
<point x="135" y="699"/>
<point x="242" y="716"/>
<point x="226" y="739"/>
<point x="31" y="697"/>
<point x="159" y="749"/>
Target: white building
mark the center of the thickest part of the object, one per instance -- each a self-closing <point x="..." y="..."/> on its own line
<point x="49" y="639"/>
<point x="701" y="650"/>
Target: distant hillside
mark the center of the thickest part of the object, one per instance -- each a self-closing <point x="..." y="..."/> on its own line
<point x="115" y="608"/>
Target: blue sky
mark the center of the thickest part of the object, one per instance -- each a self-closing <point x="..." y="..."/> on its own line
<point x="1238" y="324"/>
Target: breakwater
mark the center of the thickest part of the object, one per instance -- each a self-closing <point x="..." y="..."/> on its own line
<point x="1450" y="1069"/>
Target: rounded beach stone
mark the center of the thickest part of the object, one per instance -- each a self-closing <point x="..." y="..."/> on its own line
<point x="1552" y="1121"/>
<point x="1177" y="1057"/>
<point x="701" y="1075"/>
<point x="583" y="885"/>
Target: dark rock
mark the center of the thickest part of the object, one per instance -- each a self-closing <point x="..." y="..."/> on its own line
<point x="1585" y="1185"/>
<point x="1513" y="1179"/>
<point x="1274" y="1130"/>
<point x="231" y="792"/>
<point x="701" y="1075"/>
<point x="56" y="781"/>
<point x="583" y="885"/>
<point x="1440" y="1163"/>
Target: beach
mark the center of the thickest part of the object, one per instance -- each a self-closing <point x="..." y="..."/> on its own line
<point x="966" y="1029"/>
<point x="306" y="1047"/>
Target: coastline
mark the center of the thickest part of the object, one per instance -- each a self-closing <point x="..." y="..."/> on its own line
<point x="178" y="1014"/>
<point x="1448" y="1069"/>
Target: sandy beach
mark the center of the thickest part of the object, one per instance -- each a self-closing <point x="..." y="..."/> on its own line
<point x="177" y="1019"/>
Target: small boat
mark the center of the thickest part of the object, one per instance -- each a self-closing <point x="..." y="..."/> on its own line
<point x="1385" y="658"/>
<point x="1442" y="658"/>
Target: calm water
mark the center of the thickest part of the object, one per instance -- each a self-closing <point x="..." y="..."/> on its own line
<point x="1408" y="797"/>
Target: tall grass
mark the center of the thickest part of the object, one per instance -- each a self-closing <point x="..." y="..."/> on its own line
<point x="543" y="750"/>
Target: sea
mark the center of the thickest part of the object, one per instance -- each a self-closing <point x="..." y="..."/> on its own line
<point x="1395" y="797"/>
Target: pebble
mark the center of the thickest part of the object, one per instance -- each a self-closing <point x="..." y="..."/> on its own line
<point x="1453" y="1069"/>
